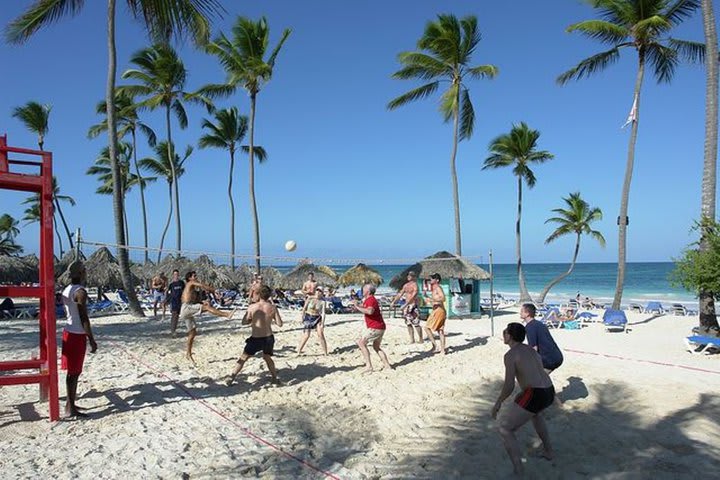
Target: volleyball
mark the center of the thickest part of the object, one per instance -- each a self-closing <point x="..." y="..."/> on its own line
<point x="290" y="245"/>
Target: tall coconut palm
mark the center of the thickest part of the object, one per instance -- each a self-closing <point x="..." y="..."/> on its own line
<point x="102" y="170"/>
<point x="36" y="118"/>
<point x="227" y="133"/>
<point x="162" y="19"/>
<point x="129" y="123"/>
<point x="32" y="213"/>
<point x="518" y="149"/>
<point x="444" y="55"/>
<point x="577" y="218"/>
<point x="171" y="171"/>
<point x="708" y="318"/>
<point x="162" y="76"/>
<point x="642" y="25"/>
<point x="8" y="231"/>
<point x="244" y="59"/>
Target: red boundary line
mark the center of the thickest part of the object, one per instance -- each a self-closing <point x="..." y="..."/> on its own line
<point x="652" y="362"/>
<point x="218" y="412"/>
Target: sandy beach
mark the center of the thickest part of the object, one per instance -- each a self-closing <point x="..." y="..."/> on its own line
<point x="635" y="405"/>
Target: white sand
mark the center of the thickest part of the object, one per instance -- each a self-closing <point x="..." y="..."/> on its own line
<point x="154" y="415"/>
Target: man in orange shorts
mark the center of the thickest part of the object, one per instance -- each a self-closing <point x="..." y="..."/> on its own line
<point x="436" y="320"/>
<point x="76" y="334"/>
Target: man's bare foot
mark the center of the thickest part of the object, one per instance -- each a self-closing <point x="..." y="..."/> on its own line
<point x="75" y="412"/>
<point x="367" y="370"/>
<point x="230" y="380"/>
<point x="542" y="453"/>
<point x="190" y="357"/>
<point x="275" y="381"/>
<point x="433" y="349"/>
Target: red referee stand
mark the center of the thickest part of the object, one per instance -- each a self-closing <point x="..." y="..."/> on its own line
<point x="41" y="183"/>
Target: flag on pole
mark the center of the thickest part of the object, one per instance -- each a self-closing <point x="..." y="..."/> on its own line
<point x="632" y="116"/>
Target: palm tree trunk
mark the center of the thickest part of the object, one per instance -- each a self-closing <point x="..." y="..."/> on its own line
<point x="706" y="304"/>
<point x="560" y="277"/>
<point x="253" y="204"/>
<point x="167" y="224"/>
<point x="623" y="217"/>
<point x="171" y="159"/>
<point x="122" y="253"/>
<point x="524" y="294"/>
<point x="142" y="194"/>
<point x="62" y="219"/>
<point x="453" y="176"/>
<point x="232" y="209"/>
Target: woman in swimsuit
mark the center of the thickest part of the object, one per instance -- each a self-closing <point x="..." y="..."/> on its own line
<point x="313" y="317"/>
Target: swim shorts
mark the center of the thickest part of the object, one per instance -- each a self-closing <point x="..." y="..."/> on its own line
<point x="188" y="312"/>
<point x="255" y="344"/>
<point x="535" y="400"/>
<point x="73" y="352"/>
<point x="411" y="315"/>
<point x="158" y="296"/>
<point x="372" y="334"/>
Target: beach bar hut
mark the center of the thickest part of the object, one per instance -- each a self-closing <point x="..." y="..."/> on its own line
<point x="460" y="281"/>
<point x="294" y="279"/>
<point x="359" y="275"/>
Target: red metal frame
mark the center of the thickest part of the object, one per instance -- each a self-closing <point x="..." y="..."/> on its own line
<point x="41" y="183"/>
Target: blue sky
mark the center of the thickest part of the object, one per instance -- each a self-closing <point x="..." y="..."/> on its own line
<point x="346" y="178"/>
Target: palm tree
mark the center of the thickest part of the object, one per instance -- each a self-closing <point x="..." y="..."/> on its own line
<point x="8" y="231"/>
<point x="36" y="118"/>
<point x="171" y="171"/>
<point x="243" y="58"/>
<point x="162" y="19"/>
<point x="32" y="213"/>
<point x="644" y="26"/>
<point x="518" y="149"/>
<point x="129" y="123"/>
<point x="706" y="303"/>
<point x="444" y="54"/>
<point x="577" y="219"/>
<point x="102" y="170"/>
<point x="227" y="133"/>
<point x="162" y="77"/>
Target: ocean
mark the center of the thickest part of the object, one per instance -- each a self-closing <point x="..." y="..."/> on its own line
<point x="643" y="281"/>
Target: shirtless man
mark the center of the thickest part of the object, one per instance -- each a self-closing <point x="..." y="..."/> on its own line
<point x="190" y="308"/>
<point x="159" y="286"/>
<point x="410" y="310"/>
<point x="260" y="316"/>
<point x="309" y="286"/>
<point x="524" y="363"/>
<point x="436" y="320"/>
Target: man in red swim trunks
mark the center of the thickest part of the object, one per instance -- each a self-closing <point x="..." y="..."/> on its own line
<point x="524" y="363"/>
<point x="76" y="334"/>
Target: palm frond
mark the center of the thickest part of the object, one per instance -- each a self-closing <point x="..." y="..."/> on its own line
<point x="420" y="65"/>
<point x="180" y="114"/>
<point x="148" y="132"/>
<point x="664" y="60"/>
<point x="414" y="94"/>
<point x="167" y="19"/>
<point x="467" y="115"/>
<point x="691" y="52"/>
<point x="217" y="90"/>
<point x="605" y="32"/>
<point x="482" y="72"/>
<point x="681" y="10"/>
<point x="40" y="14"/>
<point x="590" y="65"/>
<point x="276" y="50"/>
<point x="258" y="151"/>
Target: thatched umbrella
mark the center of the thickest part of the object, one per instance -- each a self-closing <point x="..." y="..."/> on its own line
<point x="211" y="274"/>
<point x="63" y="264"/>
<point x="360" y="274"/>
<point x="102" y="271"/>
<point x="170" y="263"/>
<point x="295" y="278"/>
<point x="14" y="270"/>
<point x="444" y="263"/>
<point x="271" y="276"/>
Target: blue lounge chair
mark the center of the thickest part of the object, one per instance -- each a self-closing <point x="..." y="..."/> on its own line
<point x="586" y="317"/>
<point x="654" y="307"/>
<point x="615" y="320"/>
<point x="335" y="305"/>
<point x="551" y="319"/>
<point x="702" y="344"/>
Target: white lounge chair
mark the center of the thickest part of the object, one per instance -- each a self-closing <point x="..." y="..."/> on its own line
<point x="702" y="345"/>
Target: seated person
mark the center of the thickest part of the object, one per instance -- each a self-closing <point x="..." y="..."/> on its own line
<point x="8" y="306"/>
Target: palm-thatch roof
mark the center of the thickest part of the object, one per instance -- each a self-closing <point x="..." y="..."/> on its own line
<point x="15" y="270"/>
<point x="62" y="264"/>
<point x="170" y="263"/>
<point x="208" y="272"/>
<point x="444" y="263"/>
<point x="271" y="276"/>
<point x="294" y="279"/>
<point x="360" y="274"/>
<point x="144" y="271"/>
<point x="102" y="271"/>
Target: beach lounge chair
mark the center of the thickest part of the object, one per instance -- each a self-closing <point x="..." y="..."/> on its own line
<point x="679" y="309"/>
<point x="123" y="303"/>
<point x="702" y="344"/>
<point x="615" y="320"/>
<point x="335" y="305"/>
<point x="551" y="319"/>
<point x="654" y="307"/>
<point x="636" y="307"/>
<point x="586" y="317"/>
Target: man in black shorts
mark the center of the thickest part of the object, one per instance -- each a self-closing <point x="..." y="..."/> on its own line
<point x="174" y="298"/>
<point x="260" y="316"/>
<point x="524" y="363"/>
